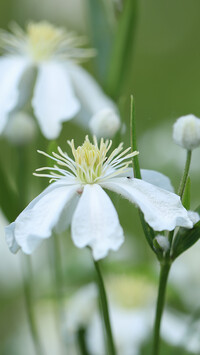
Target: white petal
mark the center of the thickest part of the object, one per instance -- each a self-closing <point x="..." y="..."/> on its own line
<point x="162" y="209"/>
<point x="95" y="222"/>
<point x="87" y="89"/>
<point x="54" y="100"/>
<point x="40" y="217"/>
<point x="153" y="177"/>
<point x="10" y="238"/>
<point x="11" y="71"/>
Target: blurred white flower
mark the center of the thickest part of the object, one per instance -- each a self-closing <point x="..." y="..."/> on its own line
<point x="130" y="329"/>
<point x="105" y="123"/>
<point x="186" y="132"/>
<point x="20" y="128"/>
<point x="61" y="86"/>
<point x="76" y="196"/>
<point x="131" y="326"/>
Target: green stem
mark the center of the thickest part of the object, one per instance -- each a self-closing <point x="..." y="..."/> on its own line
<point x="164" y="272"/>
<point x="26" y="268"/>
<point x="185" y="174"/>
<point x="148" y="231"/>
<point x="136" y="165"/>
<point x="81" y="341"/>
<point x="105" y="311"/>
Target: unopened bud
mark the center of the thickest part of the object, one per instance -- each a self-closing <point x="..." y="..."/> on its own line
<point x="186" y="132"/>
<point x="105" y="123"/>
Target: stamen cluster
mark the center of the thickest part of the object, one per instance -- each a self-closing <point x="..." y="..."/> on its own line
<point x="43" y="41"/>
<point x="91" y="164"/>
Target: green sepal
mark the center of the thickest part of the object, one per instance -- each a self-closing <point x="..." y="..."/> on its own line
<point x="9" y="199"/>
<point x="186" y="194"/>
<point x="185" y="239"/>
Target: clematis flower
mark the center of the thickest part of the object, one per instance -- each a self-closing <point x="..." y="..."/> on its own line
<point x="77" y="197"/>
<point x="48" y="56"/>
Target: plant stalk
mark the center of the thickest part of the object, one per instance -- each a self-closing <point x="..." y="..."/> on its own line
<point x="164" y="272"/>
<point x="185" y="174"/>
<point x="105" y="311"/>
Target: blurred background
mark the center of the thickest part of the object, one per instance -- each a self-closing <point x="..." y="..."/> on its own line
<point x="149" y="49"/>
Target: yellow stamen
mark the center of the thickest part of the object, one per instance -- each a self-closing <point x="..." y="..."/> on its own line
<point x="43" y="40"/>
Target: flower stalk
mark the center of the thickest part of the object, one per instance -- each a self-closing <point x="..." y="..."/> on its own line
<point x="164" y="272"/>
<point x="105" y="310"/>
<point x="81" y="341"/>
<point x="185" y="174"/>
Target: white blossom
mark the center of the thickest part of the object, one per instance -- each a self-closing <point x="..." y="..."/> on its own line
<point x="186" y="132"/>
<point x="48" y="56"/>
<point x="77" y="197"/>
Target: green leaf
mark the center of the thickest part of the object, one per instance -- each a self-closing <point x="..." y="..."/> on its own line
<point x="186" y="194"/>
<point x="121" y="56"/>
<point x="185" y="239"/>
<point x="9" y="200"/>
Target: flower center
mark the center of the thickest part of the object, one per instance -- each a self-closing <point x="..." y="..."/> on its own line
<point x="89" y="160"/>
<point x="91" y="164"/>
<point x="43" y="40"/>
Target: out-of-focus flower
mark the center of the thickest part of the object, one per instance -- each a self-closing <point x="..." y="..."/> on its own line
<point x="105" y="123"/>
<point x="131" y="324"/>
<point x="20" y="128"/>
<point x="61" y="89"/>
<point x="76" y="196"/>
<point x="186" y="132"/>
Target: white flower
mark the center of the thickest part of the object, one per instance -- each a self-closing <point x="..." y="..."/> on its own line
<point x="76" y="196"/>
<point x="186" y="132"/>
<point x="62" y="88"/>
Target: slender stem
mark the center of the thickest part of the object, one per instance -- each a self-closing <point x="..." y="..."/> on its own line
<point x="26" y="268"/>
<point x="185" y="174"/>
<point x="136" y="165"/>
<point x="148" y="231"/>
<point x="164" y="272"/>
<point x="105" y="311"/>
<point x="81" y="341"/>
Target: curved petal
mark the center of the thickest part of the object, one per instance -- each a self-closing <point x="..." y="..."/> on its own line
<point x="11" y="72"/>
<point x="153" y="177"/>
<point x="10" y="238"/>
<point x="54" y="100"/>
<point x="162" y="209"/>
<point x="95" y="223"/>
<point x="88" y="91"/>
<point x="158" y="179"/>
<point x="40" y="217"/>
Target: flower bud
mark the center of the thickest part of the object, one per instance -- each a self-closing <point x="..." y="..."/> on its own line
<point x="162" y="243"/>
<point x="105" y="123"/>
<point x="20" y="129"/>
<point x="186" y="132"/>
